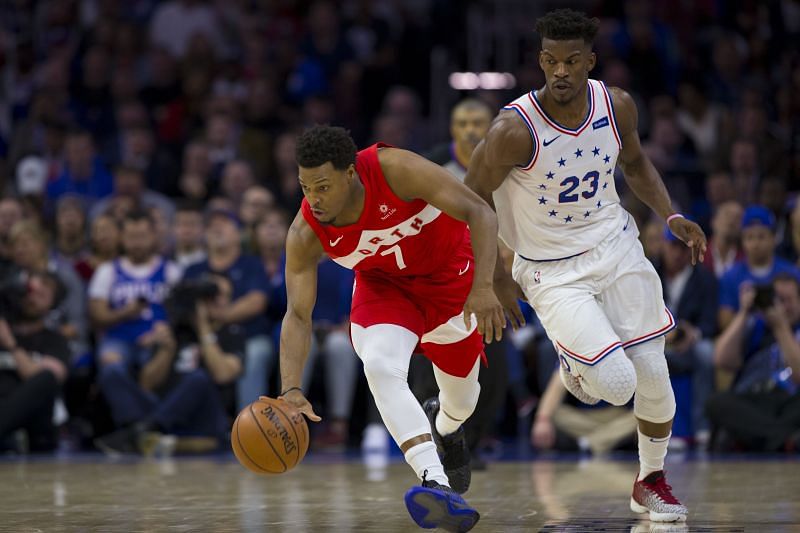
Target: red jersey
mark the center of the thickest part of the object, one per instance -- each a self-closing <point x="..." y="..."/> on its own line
<point x="391" y="236"/>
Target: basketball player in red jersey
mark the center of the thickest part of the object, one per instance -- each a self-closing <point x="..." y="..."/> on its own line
<point x="400" y="222"/>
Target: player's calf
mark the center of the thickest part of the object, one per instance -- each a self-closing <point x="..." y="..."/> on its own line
<point x="452" y="450"/>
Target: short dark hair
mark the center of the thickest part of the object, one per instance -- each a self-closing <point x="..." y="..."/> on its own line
<point x="137" y="215"/>
<point x="787" y="277"/>
<point x="187" y="205"/>
<point x="566" y="25"/>
<point x="472" y="104"/>
<point x="320" y="144"/>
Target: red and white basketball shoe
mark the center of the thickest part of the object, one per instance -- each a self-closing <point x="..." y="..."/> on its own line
<point x="654" y="495"/>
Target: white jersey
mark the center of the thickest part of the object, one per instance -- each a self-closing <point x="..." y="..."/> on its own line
<point x="563" y="202"/>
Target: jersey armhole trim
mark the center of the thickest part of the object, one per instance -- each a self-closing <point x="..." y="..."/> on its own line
<point x="611" y="113"/>
<point x="526" y="119"/>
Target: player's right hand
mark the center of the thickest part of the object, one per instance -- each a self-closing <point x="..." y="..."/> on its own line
<point x="509" y="294"/>
<point x="296" y="399"/>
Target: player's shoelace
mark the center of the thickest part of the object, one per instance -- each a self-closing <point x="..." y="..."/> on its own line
<point x="662" y="489"/>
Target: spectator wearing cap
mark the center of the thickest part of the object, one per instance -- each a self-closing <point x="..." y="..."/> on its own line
<point x="691" y="294"/>
<point x="248" y="303"/>
<point x="760" y="263"/>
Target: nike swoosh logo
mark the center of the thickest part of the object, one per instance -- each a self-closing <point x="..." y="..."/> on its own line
<point x="461" y="272"/>
<point x="334" y="243"/>
<point x="547" y="143"/>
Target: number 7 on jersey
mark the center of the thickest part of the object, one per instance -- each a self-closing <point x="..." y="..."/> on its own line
<point x="398" y="255"/>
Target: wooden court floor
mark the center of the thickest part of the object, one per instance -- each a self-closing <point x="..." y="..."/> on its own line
<point x="94" y="494"/>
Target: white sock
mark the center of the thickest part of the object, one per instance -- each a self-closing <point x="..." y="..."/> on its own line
<point x="446" y="425"/>
<point x="652" y="452"/>
<point x="423" y="457"/>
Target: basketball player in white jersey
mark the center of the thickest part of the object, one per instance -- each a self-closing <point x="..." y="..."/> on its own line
<point x="547" y="165"/>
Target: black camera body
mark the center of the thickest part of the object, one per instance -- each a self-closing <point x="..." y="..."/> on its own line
<point x="181" y="303"/>
<point x="764" y="298"/>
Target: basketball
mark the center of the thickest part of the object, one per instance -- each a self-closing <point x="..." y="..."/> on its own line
<point x="269" y="436"/>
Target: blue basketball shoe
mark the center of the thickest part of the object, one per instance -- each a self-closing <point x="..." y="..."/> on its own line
<point x="438" y="506"/>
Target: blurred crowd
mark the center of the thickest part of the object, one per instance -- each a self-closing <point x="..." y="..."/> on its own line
<point x="147" y="181"/>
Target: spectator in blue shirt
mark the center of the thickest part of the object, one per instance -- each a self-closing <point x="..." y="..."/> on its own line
<point x="249" y="300"/>
<point x="761" y="411"/>
<point x="760" y="264"/>
<point x="84" y="173"/>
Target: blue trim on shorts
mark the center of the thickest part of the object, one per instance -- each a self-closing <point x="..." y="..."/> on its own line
<point x="551" y="260"/>
<point x="598" y="360"/>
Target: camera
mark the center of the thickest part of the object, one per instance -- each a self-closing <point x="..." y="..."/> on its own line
<point x="764" y="298"/>
<point x="13" y="289"/>
<point x="180" y="305"/>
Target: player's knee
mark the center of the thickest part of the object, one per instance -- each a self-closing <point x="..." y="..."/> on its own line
<point x="379" y="365"/>
<point x="460" y="404"/>
<point x="615" y="379"/>
<point x="653" y="408"/>
<point x="655" y="401"/>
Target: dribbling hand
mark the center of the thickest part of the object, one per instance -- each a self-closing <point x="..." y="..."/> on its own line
<point x="296" y="399"/>
<point x="691" y="234"/>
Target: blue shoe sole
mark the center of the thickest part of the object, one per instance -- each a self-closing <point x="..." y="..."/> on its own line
<point x="431" y="508"/>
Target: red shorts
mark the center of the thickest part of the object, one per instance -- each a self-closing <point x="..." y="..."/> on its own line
<point x="429" y="306"/>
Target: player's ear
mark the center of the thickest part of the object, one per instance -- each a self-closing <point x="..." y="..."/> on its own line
<point x="350" y="173"/>
<point x="592" y="60"/>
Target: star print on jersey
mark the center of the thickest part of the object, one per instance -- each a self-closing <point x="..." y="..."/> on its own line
<point x="553" y="213"/>
<point x="578" y="153"/>
<point x="586" y="214"/>
<point x="568" y="219"/>
<point x="605" y="185"/>
<point x="608" y="171"/>
<point x="543" y="186"/>
<point x="550" y="175"/>
<point x="598" y="204"/>
<point x="606" y="159"/>
<point x="596" y="151"/>
<point x="542" y="200"/>
<point x="562" y="162"/>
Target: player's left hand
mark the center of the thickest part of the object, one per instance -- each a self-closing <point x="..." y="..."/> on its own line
<point x="488" y="313"/>
<point x="691" y="234"/>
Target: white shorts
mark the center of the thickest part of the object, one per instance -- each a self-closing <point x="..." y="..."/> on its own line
<point x="607" y="298"/>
